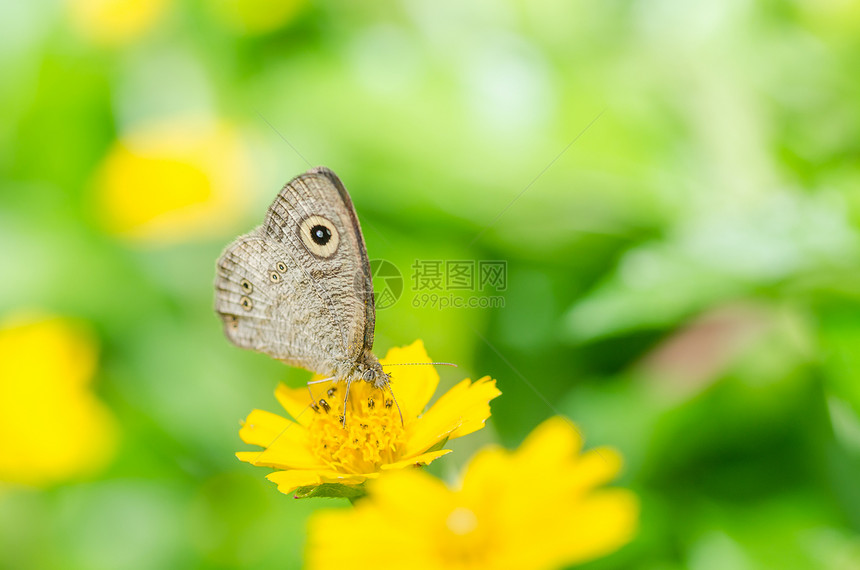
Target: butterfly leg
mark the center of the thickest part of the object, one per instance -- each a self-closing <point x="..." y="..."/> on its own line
<point x="313" y="402"/>
<point x="345" y="398"/>
<point x="390" y="389"/>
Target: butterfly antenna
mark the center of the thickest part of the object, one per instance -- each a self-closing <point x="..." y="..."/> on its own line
<point x="420" y="364"/>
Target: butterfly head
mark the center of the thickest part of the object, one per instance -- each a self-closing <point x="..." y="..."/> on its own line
<point x="373" y="374"/>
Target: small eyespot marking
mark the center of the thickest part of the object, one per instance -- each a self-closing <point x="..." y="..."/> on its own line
<point x="275" y="276"/>
<point x="247" y="286"/>
<point x="319" y="235"/>
<point x="281" y="266"/>
<point x="246" y="303"/>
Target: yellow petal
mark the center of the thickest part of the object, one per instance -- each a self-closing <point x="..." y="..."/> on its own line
<point x="475" y="405"/>
<point x="554" y="441"/>
<point x="54" y="351"/>
<point x="482" y="472"/>
<point x="422" y="459"/>
<point x="52" y="427"/>
<point x="262" y="428"/>
<point x="595" y="467"/>
<point x="493" y="521"/>
<point x="554" y="447"/>
<point x="172" y="181"/>
<point x="291" y="480"/>
<point x="346" y="478"/>
<point x="286" y="442"/>
<point x="412" y="385"/>
<point x="289" y="451"/>
<point x="296" y="401"/>
<point x="602" y="523"/>
<point x="399" y="540"/>
<point x="425" y="494"/>
<point x="460" y="411"/>
<point x="247" y="456"/>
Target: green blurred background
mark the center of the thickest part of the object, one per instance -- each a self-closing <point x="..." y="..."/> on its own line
<point x="682" y="280"/>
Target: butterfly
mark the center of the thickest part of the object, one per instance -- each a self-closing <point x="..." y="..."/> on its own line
<point x="299" y="287"/>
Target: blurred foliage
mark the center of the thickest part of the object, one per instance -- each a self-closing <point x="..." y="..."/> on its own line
<point x="682" y="275"/>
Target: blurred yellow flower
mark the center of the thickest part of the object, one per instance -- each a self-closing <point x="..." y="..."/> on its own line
<point x="113" y="22"/>
<point x="533" y="509"/>
<point x="256" y="17"/>
<point x="51" y="425"/>
<point x="317" y="448"/>
<point x="169" y="182"/>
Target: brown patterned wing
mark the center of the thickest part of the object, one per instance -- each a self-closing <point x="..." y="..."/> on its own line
<point x="298" y="288"/>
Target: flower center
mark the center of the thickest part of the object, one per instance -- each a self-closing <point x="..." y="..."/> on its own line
<point x="461" y="521"/>
<point x="464" y="543"/>
<point x="370" y="438"/>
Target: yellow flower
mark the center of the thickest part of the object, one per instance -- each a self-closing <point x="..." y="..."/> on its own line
<point x="533" y="509"/>
<point x="113" y="22"/>
<point x="168" y="182"/>
<point x="51" y="425"/>
<point x="316" y="448"/>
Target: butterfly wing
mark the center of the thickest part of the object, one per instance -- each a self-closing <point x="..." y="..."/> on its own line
<point x="298" y="288"/>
